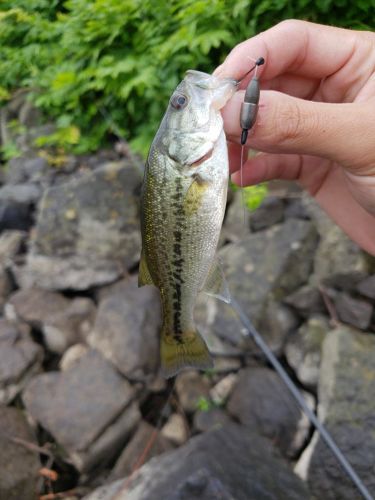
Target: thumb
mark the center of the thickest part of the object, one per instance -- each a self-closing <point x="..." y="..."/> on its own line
<point x="285" y="124"/>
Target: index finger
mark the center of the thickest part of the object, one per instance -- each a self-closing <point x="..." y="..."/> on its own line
<point x="298" y="47"/>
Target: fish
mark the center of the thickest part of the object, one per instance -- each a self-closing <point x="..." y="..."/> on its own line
<point x="183" y="201"/>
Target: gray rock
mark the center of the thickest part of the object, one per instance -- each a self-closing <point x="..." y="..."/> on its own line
<point x="280" y="322"/>
<point x="269" y="213"/>
<point x="63" y="321"/>
<point x="213" y="418"/>
<point x="6" y="286"/>
<point x="77" y="405"/>
<point x="102" y="451"/>
<point x="303" y="350"/>
<point x="24" y="194"/>
<point x="306" y="300"/>
<point x="262" y="402"/>
<point x="228" y="463"/>
<point x="18" y="465"/>
<point x="296" y="209"/>
<point x="25" y="169"/>
<point x="347" y="407"/>
<point x="10" y="244"/>
<point x="338" y="261"/>
<point x="264" y="267"/>
<point x="136" y="446"/>
<point x="355" y="312"/>
<point x="87" y="230"/>
<point x="367" y="287"/>
<point x="190" y="387"/>
<point x="127" y="328"/>
<point x="20" y="359"/>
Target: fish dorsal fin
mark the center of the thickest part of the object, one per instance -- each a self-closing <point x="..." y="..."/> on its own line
<point x="144" y="276"/>
<point x="216" y="285"/>
<point x="193" y="197"/>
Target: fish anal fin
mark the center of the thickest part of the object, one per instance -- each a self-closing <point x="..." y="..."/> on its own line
<point x="194" y="195"/>
<point x="144" y="276"/>
<point x="216" y="285"/>
<point x="186" y="350"/>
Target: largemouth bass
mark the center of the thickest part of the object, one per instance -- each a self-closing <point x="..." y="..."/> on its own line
<point x="182" y="209"/>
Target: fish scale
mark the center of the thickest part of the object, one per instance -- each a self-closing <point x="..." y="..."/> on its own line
<point x="183" y="202"/>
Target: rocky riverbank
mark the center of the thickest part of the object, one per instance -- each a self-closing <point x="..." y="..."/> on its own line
<point x="80" y="393"/>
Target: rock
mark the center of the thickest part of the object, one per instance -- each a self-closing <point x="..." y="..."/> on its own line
<point x="296" y="209"/>
<point x="21" y="170"/>
<point x="24" y="194"/>
<point x="338" y="261"/>
<point x="14" y="215"/>
<point x="63" y="321"/>
<point x="346" y="397"/>
<point x="261" y="401"/>
<point x="19" y="465"/>
<point x="109" y="444"/>
<point x="175" y="429"/>
<point x="208" y="467"/>
<point x="306" y="300"/>
<point x="76" y="406"/>
<point x="269" y="213"/>
<point x="280" y="321"/>
<point x="127" y="328"/>
<point x="10" y="244"/>
<point x="303" y="350"/>
<point x="355" y="312"/>
<point x="367" y="287"/>
<point x="190" y="387"/>
<point x="213" y="418"/>
<point x="20" y="359"/>
<point x="6" y="286"/>
<point x="263" y="268"/>
<point x="135" y="448"/>
<point x="71" y="355"/>
<point x="221" y="391"/>
<point x="25" y="169"/>
<point x="87" y="230"/>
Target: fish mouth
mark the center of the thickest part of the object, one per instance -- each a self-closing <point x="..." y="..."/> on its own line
<point x="203" y="158"/>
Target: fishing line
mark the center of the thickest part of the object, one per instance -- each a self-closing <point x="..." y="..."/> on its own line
<point x="257" y="338"/>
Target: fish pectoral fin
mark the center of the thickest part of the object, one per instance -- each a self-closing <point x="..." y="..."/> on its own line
<point x="182" y="351"/>
<point x="216" y="285"/>
<point x="194" y="195"/>
<point x="144" y="276"/>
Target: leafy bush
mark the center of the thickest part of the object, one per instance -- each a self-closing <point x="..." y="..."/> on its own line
<point x="104" y="67"/>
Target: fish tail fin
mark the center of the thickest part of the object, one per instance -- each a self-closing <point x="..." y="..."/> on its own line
<point x="186" y="350"/>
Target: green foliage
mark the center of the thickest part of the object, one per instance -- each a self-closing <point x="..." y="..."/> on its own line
<point x="252" y="195"/>
<point x="108" y="67"/>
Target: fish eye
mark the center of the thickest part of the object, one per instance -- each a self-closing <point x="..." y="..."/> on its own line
<point x="179" y="101"/>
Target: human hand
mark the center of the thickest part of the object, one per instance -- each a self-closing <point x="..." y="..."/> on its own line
<point x="316" y="121"/>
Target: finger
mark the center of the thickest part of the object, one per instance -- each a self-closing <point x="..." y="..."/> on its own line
<point x="267" y="167"/>
<point x="295" y="85"/>
<point x="289" y="125"/>
<point x="299" y="47"/>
